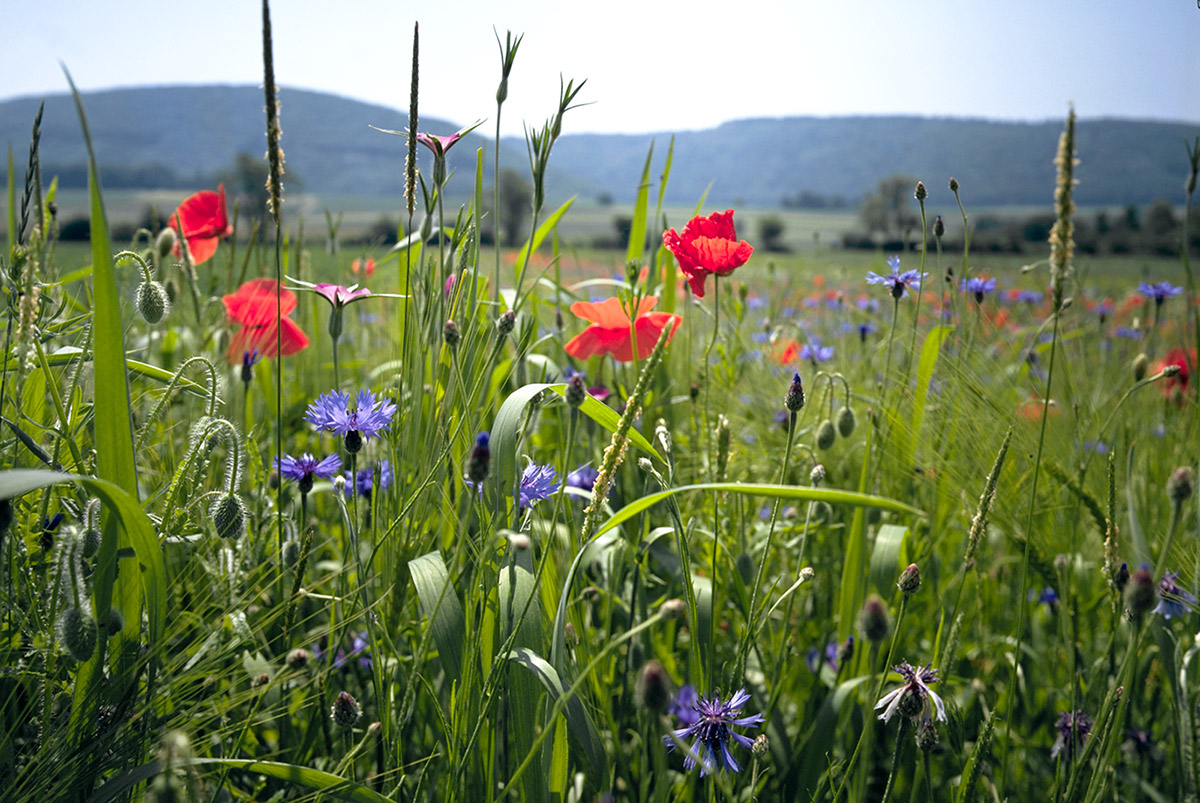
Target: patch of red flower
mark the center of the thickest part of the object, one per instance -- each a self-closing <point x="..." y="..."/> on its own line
<point x="262" y="323"/>
<point x="1186" y="362"/>
<point x="202" y="220"/>
<point x="1032" y="409"/>
<point x="610" y="332"/>
<point x="707" y="245"/>
<point x="366" y="265"/>
<point x="786" y="352"/>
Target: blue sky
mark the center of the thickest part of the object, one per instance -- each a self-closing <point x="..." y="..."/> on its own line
<point x="650" y="66"/>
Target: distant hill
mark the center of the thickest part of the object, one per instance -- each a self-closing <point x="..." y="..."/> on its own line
<point x="182" y="137"/>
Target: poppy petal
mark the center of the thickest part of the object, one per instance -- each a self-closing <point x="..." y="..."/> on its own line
<point x="649" y="329"/>
<point x="254" y="303"/>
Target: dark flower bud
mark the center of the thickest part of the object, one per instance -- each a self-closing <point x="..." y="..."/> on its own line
<point x="345" y="711"/>
<point x="695" y="390"/>
<point x="569" y="634"/>
<point x="91" y="542"/>
<point x="6" y="514"/>
<point x="674" y="608"/>
<point x="52" y="208"/>
<point x="1140" y="363"/>
<point x="478" y="462"/>
<point x="152" y="302"/>
<point x="953" y="184"/>
<point x="114" y="623"/>
<point x="260" y="680"/>
<point x="1122" y="577"/>
<point x="910" y="580"/>
<point x="558" y="319"/>
<point x="249" y="358"/>
<point x="762" y="746"/>
<point x="576" y="393"/>
<point x="846" y="421"/>
<point x="939" y="228"/>
<point x="450" y="334"/>
<point x="793" y="400"/>
<point x="297" y="659"/>
<point x="1179" y="486"/>
<point x="817" y="475"/>
<point x="653" y="690"/>
<point x="1139" y="592"/>
<point x="873" y="619"/>
<point x="919" y="193"/>
<point x="506" y="322"/>
<point x="846" y="650"/>
<point x="927" y="737"/>
<point x="77" y="631"/>
<point x="353" y="441"/>
<point x="229" y="516"/>
<point x="826" y="435"/>
<point x="165" y="242"/>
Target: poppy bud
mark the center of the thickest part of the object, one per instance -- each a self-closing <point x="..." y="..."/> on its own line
<point x="873" y="620"/>
<point x="297" y="659"/>
<point x="919" y="193"/>
<point x="826" y="435"/>
<point x="114" y="623"/>
<point x="910" y="580"/>
<point x="1140" y="363"/>
<point x="506" y="322"/>
<point x="229" y="516"/>
<point x="674" y="608"/>
<point x="576" y="393"/>
<point x="152" y="302"/>
<point x="1179" y="486"/>
<point x="77" y="631"/>
<point x="953" y="184"/>
<point x="653" y="690"/>
<point x="345" y="711"/>
<point x="91" y="542"/>
<point x="1139" y="592"/>
<point x="451" y="334"/>
<point x="165" y="243"/>
<point x="846" y="422"/>
<point x="793" y="400"/>
<point x="477" y="464"/>
<point x="817" y="475"/>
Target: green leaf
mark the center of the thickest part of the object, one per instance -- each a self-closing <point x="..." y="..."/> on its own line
<point x="853" y="586"/>
<point x="441" y="607"/>
<point x="889" y="555"/>
<point x="538" y="236"/>
<point x="580" y="724"/>
<point x="929" y="357"/>
<point x="517" y="594"/>
<point x="637" y="229"/>
<point x="805" y="494"/>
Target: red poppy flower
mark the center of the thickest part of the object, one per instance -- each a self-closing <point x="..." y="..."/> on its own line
<point x="204" y="220"/>
<point x="368" y="265"/>
<point x="707" y="245"/>
<point x="610" y="329"/>
<point x="1186" y="362"/>
<point x="254" y="307"/>
<point x="786" y="352"/>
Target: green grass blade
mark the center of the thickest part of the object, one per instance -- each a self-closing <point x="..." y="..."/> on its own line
<point x="441" y="607"/>
<point x="794" y="492"/>
<point x="889" y="556"/>
<point x="12" y="206"/>
<point x="637" y="229"/>
<point x="517" y="592"/>
<point x="929" y="357"/>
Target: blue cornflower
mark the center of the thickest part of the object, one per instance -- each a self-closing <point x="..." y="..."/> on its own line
<point x="1104" y="309"/>
<point x="1096" y="447"/>
<point x="900" y="282"/>
<point x="583" y="478"/>
<point x="1159" y="292"/>
<point x="978" y="287"/>
<point x="1028" y="296"/>
<point x="303" y="471"/>
<point x="364" y="481"/>
<point x="813" y="657"/>
<point x="1172" y="600"/>
<point x="683" y="705"/>
<point x="368" y="418"/>
<point x="537" y="483"/>
<point x="814" y="352"/>
<point x="913" y="698"/>
<point x="1128" y="333"/>
<point x="711" y="723"/>
<point x="1073" y="729"/>
<point x="249" y="358"/>
<point x="756" y="302"/>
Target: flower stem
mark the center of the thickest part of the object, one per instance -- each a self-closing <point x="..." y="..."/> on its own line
<point x="891" y="781"/>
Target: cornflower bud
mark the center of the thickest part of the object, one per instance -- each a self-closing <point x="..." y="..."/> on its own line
<point x="260" y="680"/>
<point x="297" y="659"/>
<point x="506" y="322"/>
<point x="939" y="228"/>
<point x="762" y="745"/>
<point x="450" y="334"/>
<point x="1139" y="592"/>
<point x="910" y="580"/>
<point x="576" y="393"/>
<point x="874" y="620"/>
<point x="1179" y="486"/>
<point x="953" y="184"/>
<point x="793" y="400"/>
<point x="481" y="455"/>
<point x="919" y="193"/>
<point x="345" y="711"/>
<point x="927" y="737"/>
<point x="653" y="691"/>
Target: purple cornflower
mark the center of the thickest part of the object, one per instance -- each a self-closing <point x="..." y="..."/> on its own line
<point x="1172" y="600"/>
<point x="710" y="723"/>
<point x="1096" y="447"/>
<point x="900" y="282"/>
<point x="364" y="482"/>
<point x="537" y="483"/>
<point x="813" y="657"/>
<point x="1104" y="309"/>
<point x="978" y="287"/>
<point x="583" y="478"/>
<point x="303" y="471"/>
<point x="1128" y="333"/>
<point x="1073" y="729"/>
<point x="370" y="416"/>
<point x="249" y="358"/>
<point x="1159" y="292"/>
<point x="683" y="705"/>
<point x="815" y="353"/>
<point x="1028" y="296"/>
<point x="913" y="698"/>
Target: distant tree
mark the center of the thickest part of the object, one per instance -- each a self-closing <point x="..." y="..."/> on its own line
<point x="515" y="198"/>
<point x="1132" y="218"/>
<point x="604" y="198"/>
<point x="1103" y="226"/>
<point x="770" y="233"/>
<point x="246" y="181"/>
<point x="891" y="210"/>
<point x="624" y="228"/>
<point x="1160" y="219"/>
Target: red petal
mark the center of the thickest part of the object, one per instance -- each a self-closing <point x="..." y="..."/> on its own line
<point x="264" y="338"/>
<point x="202" y="249"/>
<point x="587" y="343"/>
<point x="254" y="302"/>
<point x="649" y="329"/>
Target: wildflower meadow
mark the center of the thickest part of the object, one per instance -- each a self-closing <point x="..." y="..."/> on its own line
<point x="449" y="522"/>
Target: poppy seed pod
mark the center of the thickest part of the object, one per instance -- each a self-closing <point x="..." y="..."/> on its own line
<point x="229" y="516"/>
<point x="77" y="631"/>
<point x="91" y="542"/>
<point x="826" y="435"/>
<point x="846" y="421"/>
<point x="653" y="690"/>
<point x="152" y="302"/>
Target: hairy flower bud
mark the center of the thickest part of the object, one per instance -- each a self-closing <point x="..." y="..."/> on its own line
<point x="953" y="184"/>
<point x="506" y="322"/>
<point x="229" y="516"/>
<point x="920" y="193"/>
<point x="826" y="435"/>
<point x="762" y="746"/>
<point x="291" y="553"/>
<point x="165" y="242"/>
<point x="1139" y="592"/>
<point x="674" y="608"/>
<point x="451" y="335"/>
<point x="114" y="623"/>
<point x="576" y="393"/>
<point x="817" y="475"/>
<point x="77" y="630"/>
<point x="939" y="228"/>
<point x="1140" y="364"/>
<point x="846" y="422"/>
<point x="297" y="659"/>
<point x="793" y="400"/>
<point x="910" y="580"/>
<point x="152" y="302"/>
<point x="1179" y="485"/>
<point x="345" y="711"/>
